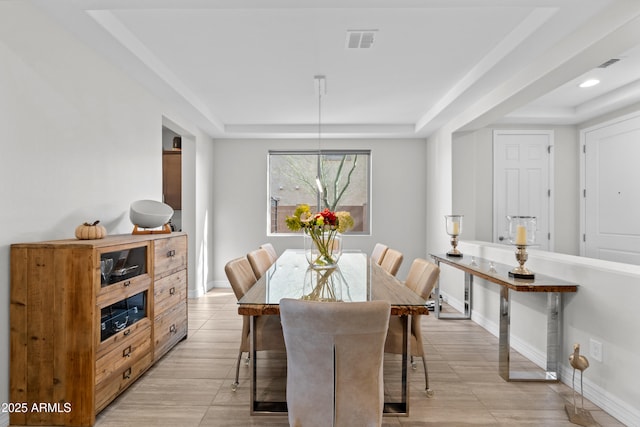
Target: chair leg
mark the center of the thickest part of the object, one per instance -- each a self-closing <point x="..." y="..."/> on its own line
<point x="234" y="386"/>
<point x="426" y="377"/>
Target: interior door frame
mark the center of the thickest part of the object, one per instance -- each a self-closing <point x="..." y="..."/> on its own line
<point x="583" y="172"/>
<point x="551" y="207"/>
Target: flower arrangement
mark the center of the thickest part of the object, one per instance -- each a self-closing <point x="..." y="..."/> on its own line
<point x="322" y="228"/>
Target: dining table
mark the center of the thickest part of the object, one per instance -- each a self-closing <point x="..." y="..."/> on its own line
<point x="356" y="278"/>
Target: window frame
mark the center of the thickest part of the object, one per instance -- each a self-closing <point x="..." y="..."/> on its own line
<point x="322" y="152"/>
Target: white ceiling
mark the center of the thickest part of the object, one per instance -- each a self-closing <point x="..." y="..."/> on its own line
<point x="244" y="68"/>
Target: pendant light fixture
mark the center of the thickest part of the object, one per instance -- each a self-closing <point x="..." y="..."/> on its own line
<point x="321" y="90"/>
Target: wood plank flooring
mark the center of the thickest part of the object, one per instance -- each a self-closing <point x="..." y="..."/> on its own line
<point x="191" y="385"/>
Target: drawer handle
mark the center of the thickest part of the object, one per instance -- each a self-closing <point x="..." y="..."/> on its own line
<point x="127" y="332"/>
<point x="172" y="291"/>
<point x="171" y="253"/>
<point x="173" y="329"/>
<point x="126" y="374"/>
<point x="127" y="283"/>
<point x="126" y="352"/>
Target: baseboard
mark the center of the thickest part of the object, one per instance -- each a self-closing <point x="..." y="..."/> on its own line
<point x="609" y="403"/>
<point x="533" y="354"/>
<point x="622" y="411"/>
<point x="213" y="284"/>
<point x="218" y="284"/>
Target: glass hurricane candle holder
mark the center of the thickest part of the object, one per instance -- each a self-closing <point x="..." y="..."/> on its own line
<point x="453" y="226"/>
<point x="522" y="233"/>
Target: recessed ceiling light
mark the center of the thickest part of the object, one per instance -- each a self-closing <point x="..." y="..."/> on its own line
<point x="589" y="83"/>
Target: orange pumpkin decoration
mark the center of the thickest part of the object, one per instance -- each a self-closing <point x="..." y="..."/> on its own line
<point x="88" y="231"/>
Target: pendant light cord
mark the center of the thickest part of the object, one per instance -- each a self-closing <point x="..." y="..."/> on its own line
<point x="319" y="81"/>
<point x="319" y="117"/>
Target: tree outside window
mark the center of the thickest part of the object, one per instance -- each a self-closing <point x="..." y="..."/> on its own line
<point x="344" y="177"/>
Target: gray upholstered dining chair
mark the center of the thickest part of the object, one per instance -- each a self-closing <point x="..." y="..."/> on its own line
<point x="378" y="253"/>
<point x="260" y="261"/>
<point x="421" y="279"/>
<point x="268" y="330"/>
<point x="391" y="261"/>
<point x="273" y="255"/>
<point x="334" y="361"/>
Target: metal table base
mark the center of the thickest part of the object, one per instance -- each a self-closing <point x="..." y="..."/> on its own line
<point x="554" y="308"/>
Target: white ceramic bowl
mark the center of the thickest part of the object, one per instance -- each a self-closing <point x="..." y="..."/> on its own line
<point x="150" y="213"/>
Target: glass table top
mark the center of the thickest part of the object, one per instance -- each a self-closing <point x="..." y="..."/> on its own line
<point x="291" y="277"/>
<point x="356" y="279"/>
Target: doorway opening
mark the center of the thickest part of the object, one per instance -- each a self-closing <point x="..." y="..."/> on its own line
<point x="172" y="174"/>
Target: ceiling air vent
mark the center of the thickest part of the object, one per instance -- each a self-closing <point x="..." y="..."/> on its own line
<point x="608" y="63"/>
<point x="360" y="39"/>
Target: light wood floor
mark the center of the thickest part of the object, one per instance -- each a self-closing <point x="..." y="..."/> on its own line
<point x="191" y="386"/>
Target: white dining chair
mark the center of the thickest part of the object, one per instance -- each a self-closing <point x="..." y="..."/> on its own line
<point x="391" y="261"/>
<point x="421" y="279"/>
<point x="268" y="330"/>
<point x="273" y="255"/>
<point x="260" y="261"/>
<point x="334" y="362"/>
<point x="378" y="253"/>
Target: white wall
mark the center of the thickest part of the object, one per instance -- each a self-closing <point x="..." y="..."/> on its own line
<point x="202" y="198"/>
<point x="473" y="184"/>
<point x="438" y="190"/>
<point x="629" y="109"/>
<point x="80" y="142"/>
<point x="240" y="198"/>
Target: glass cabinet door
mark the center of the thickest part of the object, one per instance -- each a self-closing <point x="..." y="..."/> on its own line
<point x="122" y="314"/>
<point x="122" y="265"/>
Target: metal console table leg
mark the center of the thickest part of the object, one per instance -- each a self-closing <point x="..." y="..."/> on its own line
<point x="468" y="299"/>
<point x="554" y="308"/>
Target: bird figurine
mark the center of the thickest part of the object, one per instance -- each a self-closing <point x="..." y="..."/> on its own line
<point x="579" y="362"/>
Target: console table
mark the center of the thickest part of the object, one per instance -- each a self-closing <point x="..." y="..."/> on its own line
<point x="499" y="274"/>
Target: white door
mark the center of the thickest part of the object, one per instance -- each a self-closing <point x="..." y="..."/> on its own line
<point x="522" y="181"/>
<point x="612" y="191"/>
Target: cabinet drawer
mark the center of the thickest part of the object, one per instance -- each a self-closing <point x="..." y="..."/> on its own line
<point x="169" y="328"/>
<point x="170" y="255"/>
<point x="122" y="353"/>
<point x="122" y="290"/>
<point x="121" y="379"/>
<point x="169" y="291"/>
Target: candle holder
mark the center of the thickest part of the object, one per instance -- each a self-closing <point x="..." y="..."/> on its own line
<point x="453" y="226"/>
<point x="522" y="233"/>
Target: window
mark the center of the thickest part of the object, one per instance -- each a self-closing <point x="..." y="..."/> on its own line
<point x="345" y="178"/>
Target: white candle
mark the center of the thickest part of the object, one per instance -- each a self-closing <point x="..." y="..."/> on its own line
<point x="521" y="235"/>
<point x="456" y="228"/>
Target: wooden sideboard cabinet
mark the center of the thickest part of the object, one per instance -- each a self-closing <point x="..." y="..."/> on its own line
<point x="88" y="317"/>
